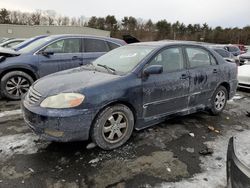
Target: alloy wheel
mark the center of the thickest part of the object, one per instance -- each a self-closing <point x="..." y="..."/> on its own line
<point x="220" y="100"/>
<point x="115" y="127"/>
<point x="17" y="86"/>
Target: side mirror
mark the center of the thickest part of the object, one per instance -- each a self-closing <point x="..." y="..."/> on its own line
<point x="47" y="52"/>
<point x="153" y="69"/>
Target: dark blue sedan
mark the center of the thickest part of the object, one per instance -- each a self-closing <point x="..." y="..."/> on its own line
<point x="19" y="69"/>
<point x="131" y="87"/>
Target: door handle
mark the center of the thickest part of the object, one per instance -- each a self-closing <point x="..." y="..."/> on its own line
<point x="75" y="58"/>
<point x="184" y="76"/>
<point x="215" y="71"/>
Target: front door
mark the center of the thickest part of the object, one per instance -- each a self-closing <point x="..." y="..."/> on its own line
<point x="64" y="54"/>
<point x="166" y="93"/>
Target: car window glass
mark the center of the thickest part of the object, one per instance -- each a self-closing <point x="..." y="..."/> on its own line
<point x="65" y="46"/>
<point x="171" y="59"/>
<point x="112" y="45"/>
<point x="95" y="45"/>
<point x="198" y="57"/>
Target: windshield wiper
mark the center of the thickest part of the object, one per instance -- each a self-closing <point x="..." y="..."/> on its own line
<point x="112" y="70"/>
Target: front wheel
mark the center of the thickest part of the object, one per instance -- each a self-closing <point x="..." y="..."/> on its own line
<point x="113" y="127"/>
<point x="219" y="100"/>
<point x="15" y="84"/>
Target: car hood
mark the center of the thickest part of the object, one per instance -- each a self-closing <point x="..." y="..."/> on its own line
<point x="244" y="70"/>
<point x="73" y="80"/>
<point x="7" y="52"/>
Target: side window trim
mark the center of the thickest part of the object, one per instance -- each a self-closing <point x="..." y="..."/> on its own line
<point x="212" y="57"/>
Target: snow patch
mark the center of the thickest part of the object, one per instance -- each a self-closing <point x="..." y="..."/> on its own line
<point x="214" y="167"/>
<point x="19" y="144"/>
<point x="10" y="113"/>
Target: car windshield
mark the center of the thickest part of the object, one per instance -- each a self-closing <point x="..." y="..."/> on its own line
<point x="35" y="45"/>
<point x="123" y="59"/>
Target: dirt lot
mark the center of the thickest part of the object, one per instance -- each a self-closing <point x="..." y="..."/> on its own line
<point x="166" y="155"/>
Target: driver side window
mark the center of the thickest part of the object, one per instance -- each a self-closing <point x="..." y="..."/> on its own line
<point x="65" y="46"/>
<point x="171" y="59"/>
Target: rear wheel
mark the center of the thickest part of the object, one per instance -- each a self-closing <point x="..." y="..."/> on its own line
<point x="113" y="127"/>
<point x="15" y="84"/>
<point x="219" y="100"/>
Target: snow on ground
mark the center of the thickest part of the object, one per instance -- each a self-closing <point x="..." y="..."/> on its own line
<point x="19" y="144"/>
<point x="214" y="167"/>
<point x="10" y="113"/>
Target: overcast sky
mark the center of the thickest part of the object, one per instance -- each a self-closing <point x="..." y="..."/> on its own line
<point x="225" y="13"/>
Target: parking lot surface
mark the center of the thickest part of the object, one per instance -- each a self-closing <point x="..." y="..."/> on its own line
<point x="176" y="153"/>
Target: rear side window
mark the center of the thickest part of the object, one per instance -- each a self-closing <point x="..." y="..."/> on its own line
<point x="198" y="57"/>
<point x="171" y="59"/>
<point x="112" y="45"/>
<point x="95" y="45"/>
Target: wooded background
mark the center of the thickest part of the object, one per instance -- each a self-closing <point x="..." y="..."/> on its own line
<point x="144" y="30"/>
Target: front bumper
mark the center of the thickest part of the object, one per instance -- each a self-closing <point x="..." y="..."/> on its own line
<point x="62" y="125"/>
<point x="244" y="82"/>
<point x="238" y="174"/>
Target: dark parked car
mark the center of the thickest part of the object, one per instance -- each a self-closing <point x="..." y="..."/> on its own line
<point x="132" y="87"/>
<point x="226" y="55"/>
<point x="233" y="49"/>
<point x="11" y="43"/>
<point x="238" y="164"/>
<point x="19" y="69"/>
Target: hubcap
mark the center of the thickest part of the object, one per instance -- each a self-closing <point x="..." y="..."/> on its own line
<point x="220" y="100"/>
<point x="115" y="127"/>
<point x="17" y="86"/>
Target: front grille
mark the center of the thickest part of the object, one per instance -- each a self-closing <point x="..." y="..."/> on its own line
<point x="33" y="96"/>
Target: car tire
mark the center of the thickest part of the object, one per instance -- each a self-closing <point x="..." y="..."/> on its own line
<point x="18" y="80"/>
<point x="219" y="100"/>
<point x="113" y="127"/>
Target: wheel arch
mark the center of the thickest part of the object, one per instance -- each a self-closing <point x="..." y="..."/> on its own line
<point x="227" y="86"/>
<point x="129" y="105"/>
<point x="26" y="70"/>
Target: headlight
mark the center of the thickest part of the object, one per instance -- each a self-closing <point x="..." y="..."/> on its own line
<point x="63" y="100"/>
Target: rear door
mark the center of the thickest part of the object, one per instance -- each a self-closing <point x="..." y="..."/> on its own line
<point x="66" y="54"/>
<point x="166" y="93"/>
<point x="204" y="75"/>
<point x="94" y="48"/>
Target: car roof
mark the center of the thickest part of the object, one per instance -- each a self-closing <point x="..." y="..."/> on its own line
<point x="168" y="43"/>
<point x="86" y="36"/>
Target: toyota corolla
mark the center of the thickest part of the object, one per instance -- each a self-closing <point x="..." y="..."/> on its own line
<point x="132" y="87"/>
